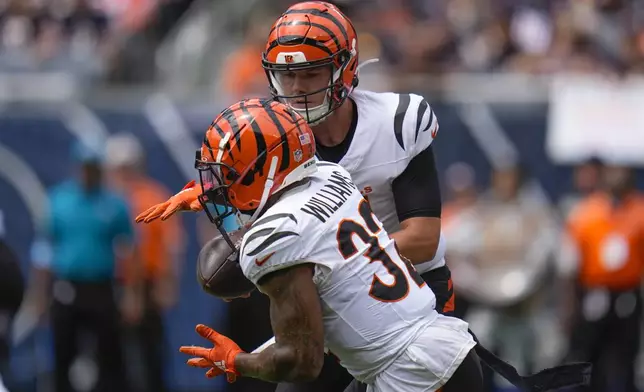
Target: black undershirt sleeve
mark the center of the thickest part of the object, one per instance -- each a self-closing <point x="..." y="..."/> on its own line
<point x="416" y="190"/>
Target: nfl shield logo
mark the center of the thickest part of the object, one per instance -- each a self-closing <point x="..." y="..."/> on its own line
<point x="298" y="155"/>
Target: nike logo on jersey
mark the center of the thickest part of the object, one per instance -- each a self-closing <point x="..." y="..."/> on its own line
<point x="264" y="259"/>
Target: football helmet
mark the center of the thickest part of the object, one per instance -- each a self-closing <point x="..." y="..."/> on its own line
<point x="310" y="35"/>
<point x="252" y="150"/>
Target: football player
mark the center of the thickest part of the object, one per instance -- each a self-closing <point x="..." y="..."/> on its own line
<point x="331" y="271"/>
<point x="384" y="140"/>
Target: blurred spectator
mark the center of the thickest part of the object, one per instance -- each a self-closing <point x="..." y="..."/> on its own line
<point x="86" y="31"/>
<point x="242" y="74"/>
<point x="461" y="191"/>
<point x="159" y="247"/>
<point x="139" y="27"/>
<point x="11" y="294"/>
<point x="499" y="251"/>
<point x="586" y="180"/>
<point x="461" y="195"/>
<point x="118" y="38"/>
<point x="88" y="232"/>
<point x="59" y="36"/>
<point x="130" y="16"/>
<point x="20" y="25"/>
<point x="602" y="265"/>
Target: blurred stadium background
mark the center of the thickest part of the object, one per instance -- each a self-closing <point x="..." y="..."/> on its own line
<point x="541" y="85"/>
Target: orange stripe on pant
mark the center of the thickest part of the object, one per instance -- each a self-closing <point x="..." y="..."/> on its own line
<point x="449" y="305"/>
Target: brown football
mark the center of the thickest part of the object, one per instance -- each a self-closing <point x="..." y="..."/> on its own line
<point x="218" y="269"/>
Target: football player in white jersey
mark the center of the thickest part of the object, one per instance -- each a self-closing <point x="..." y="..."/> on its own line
<point x="331" y="271"/>
<point x="384" y="140"/>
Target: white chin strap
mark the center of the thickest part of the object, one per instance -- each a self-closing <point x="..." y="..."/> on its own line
<point x="366" y="62"/>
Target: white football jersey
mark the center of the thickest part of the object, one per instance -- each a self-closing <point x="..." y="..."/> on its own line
<point x="374" y="304"/>
<point x="391" y="130"/>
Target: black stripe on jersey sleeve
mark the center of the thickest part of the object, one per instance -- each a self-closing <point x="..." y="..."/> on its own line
<point x="399" y="118"/>
<point x="416" y="190"/>
<point x="422" y="108"/>
<point x="431" y="120"/>
<point x="259" y="234"/>
<point x="273" y="217"/>
<point x="273" y="238"/>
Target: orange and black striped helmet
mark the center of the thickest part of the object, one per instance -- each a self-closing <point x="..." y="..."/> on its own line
<point x="308" y="35"/>
<point x="252" y="150"/>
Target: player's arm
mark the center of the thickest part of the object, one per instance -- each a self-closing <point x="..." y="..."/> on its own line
<point x="418" y="204"/>
<point x="416" y="190"/>
<point x="296" y="318"/>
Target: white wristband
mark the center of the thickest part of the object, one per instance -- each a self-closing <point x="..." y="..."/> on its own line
<point x="270" y="342"/>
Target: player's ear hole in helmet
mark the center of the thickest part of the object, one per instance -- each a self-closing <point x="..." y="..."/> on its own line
<point x="253" y="150"/>
<point x="311" y="59"/>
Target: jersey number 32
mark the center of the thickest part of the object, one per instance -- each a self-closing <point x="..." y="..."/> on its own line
<point x="379" y="290"/>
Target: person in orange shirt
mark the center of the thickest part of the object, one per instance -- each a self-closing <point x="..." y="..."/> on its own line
<point x="242" y="73"/>
<point x="160" y="246"/>
<point x="604" y="263"/>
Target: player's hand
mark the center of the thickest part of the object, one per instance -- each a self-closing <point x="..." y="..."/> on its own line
<point x="186" y="200"/>
<point x="220" y="359"/>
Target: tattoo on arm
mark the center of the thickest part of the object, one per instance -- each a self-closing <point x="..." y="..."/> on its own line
<point x="296" y="318"/>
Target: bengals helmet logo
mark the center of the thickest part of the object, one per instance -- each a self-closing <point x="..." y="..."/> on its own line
<point x="288" y="58"/>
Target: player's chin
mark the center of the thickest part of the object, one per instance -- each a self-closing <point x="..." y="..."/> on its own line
<point x="303" y="105"/>
<point x="230" y="299"/>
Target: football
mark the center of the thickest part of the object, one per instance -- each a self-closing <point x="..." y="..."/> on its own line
<point x="218" y="269"/>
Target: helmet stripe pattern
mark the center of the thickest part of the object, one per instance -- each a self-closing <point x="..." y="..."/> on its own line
<point x="265" y="132"/>
<point x="322" y="14"/>
<point x="260" y="142"/>
<point x="312" y="24"/>
<point x="229" y="116"/>
<point x="297" y="40"/>
<point x="285" y="161"/>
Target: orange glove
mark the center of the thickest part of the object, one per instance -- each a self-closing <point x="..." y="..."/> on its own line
<point x="220" y="359"/>
<point x="186" y="200"/>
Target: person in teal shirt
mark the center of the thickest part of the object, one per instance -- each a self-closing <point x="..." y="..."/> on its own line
<point x="86" y="234"/>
